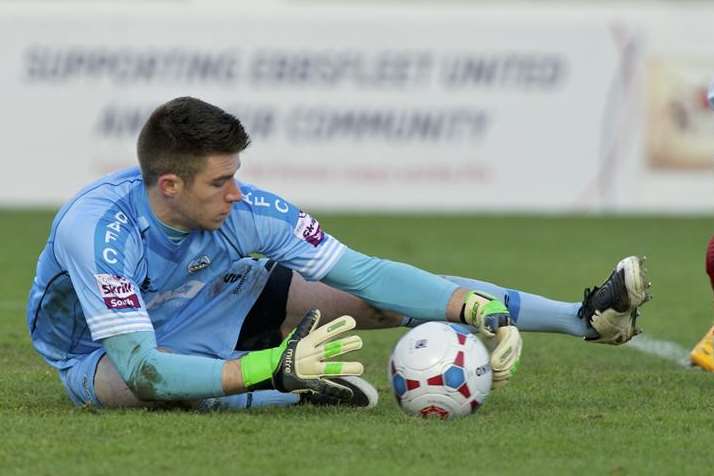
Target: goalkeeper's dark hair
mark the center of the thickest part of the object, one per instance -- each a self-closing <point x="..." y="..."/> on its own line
<point x="180" y="134"/>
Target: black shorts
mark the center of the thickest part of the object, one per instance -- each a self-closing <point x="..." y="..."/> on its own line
<point x="261" y="328"/>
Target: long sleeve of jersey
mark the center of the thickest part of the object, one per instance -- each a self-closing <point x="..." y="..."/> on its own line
<point x="100" y="249"/>
<point x="391" y="285"/>
<point x="156" y="375"/>
<point x="295" y="239"/>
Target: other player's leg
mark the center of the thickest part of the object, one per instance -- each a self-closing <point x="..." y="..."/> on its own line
<point x="702" y="354"/>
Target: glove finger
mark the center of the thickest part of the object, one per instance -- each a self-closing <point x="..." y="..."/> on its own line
<point x="339" y="347"/>
<point x="340" y="369"/>
<point x="315" y="369"/>
<point x="330" y="349"/>
<point x="311" y="363"/>
<point x="505" y="358"/>
<point x="503" y="376"/>
<point x="331" y="369"/>
<point x="499" y="380"/>
<point x="307" y="324"/>
<point x="509" y="345"/>
<point x="331" y="329"/>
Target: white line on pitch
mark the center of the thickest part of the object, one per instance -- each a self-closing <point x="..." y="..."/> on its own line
<point x="661" y="348"/>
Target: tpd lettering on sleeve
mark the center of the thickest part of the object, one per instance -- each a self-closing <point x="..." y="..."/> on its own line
<point x="308" y="229"/>
<point x="117" y="291"/>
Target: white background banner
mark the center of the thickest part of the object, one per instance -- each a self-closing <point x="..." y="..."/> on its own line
<point x="357" y="108"/>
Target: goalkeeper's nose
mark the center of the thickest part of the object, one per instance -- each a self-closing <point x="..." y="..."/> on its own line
<point x="233" y="193"/>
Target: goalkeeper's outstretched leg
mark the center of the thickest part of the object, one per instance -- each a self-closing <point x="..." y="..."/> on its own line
<point x="612" y="308"/>
<point x="607" y="314"/>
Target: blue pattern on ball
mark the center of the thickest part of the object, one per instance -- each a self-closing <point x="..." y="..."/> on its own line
<point x="454" y="377"/>
<point x="399" y="384"/>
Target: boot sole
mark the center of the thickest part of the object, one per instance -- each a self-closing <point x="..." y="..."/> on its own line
<point x="636" y="280"/>
<point x="369" y="395"/>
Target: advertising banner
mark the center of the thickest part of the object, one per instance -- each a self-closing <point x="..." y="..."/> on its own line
<point x="373" y="110"/>
<point x="358" y="108"/>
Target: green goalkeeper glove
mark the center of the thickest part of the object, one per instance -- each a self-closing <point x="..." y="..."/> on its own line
<point x="494" y="324"/>
<point x="506" y="356"/>
<point x="486" y="317"/>
<point x="298" y="365"/>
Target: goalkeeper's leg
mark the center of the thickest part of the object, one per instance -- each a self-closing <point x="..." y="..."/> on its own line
<point x="281" y="307"/>
<point x="530" y="312"/>
<point x="607" y="313"/>
<point x="363" y="395"/>
<point x="304" y="295"/>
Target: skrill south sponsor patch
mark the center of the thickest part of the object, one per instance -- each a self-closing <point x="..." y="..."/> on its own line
<point x="308" y="229"/>
<point x="117" y="291"/>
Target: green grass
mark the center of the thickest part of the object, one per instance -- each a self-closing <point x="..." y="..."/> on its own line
<point x="574" y="408"/>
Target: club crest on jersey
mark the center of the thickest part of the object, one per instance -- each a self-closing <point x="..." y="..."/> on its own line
<point x="199" y="263"/>
<point x="308" y="229"/>
<point x="117" y="291"/>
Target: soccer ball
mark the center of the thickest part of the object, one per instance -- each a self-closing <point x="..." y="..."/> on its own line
<point x="441" y="370"/>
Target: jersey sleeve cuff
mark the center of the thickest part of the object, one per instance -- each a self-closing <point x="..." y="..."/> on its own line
<point x="113" y="324"/>
<point x="332" y="255"/>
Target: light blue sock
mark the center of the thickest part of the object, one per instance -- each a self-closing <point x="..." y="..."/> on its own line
<point x="240" y="401"/>
<point x="528" y="311"/>
<point x="531" y="312"/>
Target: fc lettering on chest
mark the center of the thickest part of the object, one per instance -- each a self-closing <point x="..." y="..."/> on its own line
<point x="111" y="234"/>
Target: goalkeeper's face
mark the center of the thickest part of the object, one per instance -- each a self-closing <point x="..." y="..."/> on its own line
<point x="206" y="202"/>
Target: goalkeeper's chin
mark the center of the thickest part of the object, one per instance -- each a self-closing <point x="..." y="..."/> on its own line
<point x="214" y="223"/>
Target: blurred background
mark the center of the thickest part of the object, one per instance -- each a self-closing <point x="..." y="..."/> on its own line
<point x="569" y="107"/>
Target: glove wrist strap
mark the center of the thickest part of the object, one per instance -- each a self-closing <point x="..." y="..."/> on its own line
<point x="258" y="367"/>
<point x="470" y="309"/>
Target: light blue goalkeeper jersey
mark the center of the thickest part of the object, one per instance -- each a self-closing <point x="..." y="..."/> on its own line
<point x="109" y="269"/>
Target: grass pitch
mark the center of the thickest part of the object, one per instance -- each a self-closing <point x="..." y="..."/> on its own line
<point x="573" y="408"/>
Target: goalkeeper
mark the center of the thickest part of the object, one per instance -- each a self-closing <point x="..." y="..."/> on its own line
<point x="174" y="284"/>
